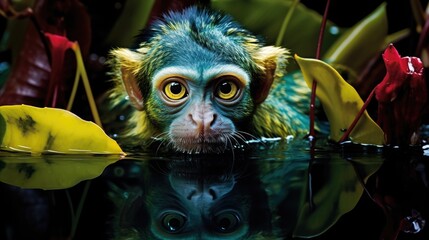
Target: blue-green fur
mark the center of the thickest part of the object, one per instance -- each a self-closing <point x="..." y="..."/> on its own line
<point x="182" y="37"/>
<point x="285" y="111"/>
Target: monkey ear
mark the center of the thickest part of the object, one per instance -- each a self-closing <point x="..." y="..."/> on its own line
<point x="128" y="63"/>
<point x="272" y="60"/>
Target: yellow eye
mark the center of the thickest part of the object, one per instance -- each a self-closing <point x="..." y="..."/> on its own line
<point x="175" y="90"/>
<point x="226" y="90"/>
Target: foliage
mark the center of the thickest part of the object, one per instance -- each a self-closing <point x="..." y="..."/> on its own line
<point x="51" y="130"/>
<point x="51" y="172"/>
<point x="341" y="103"/>
<point x="322" y="208"/>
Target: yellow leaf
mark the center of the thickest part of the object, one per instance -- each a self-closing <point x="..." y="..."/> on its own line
<point x="50" y="130"/>
<point x="340" y="102"/>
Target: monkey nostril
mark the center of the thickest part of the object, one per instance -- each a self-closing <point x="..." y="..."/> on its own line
<point x="213" y="194"/>
<point x="191" y="194"/>
<point x="212" y="122"/>
<point x="191" y="118"/>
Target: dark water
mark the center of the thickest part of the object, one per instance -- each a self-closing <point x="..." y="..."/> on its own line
<point x="271" y="190"/>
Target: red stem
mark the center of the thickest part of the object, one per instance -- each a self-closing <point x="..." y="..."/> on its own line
<point x="424" y="35"/>
<point x="358" y="116"/>
<point x="322" y="30"/>
<point x="312" y="107"/>
<point x="318" y="52"/>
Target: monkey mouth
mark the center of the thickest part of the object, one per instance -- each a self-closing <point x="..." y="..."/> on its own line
<point x="201" y="145"/>
<point x="216" y="139"/>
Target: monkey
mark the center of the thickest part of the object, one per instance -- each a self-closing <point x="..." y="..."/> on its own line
<point x="199" y="82"/>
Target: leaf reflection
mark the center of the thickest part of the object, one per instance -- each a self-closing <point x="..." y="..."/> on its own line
<point x="337" y="181"/>
<point x="51" y="171"/>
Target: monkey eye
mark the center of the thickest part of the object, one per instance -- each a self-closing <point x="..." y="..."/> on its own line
<point x="173" y="222"/>
<point x="227" y="221"/>
<point x="175" y="90"/>
<point x="226" y="89"/>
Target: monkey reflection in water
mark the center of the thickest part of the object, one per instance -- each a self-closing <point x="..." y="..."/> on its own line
<point x="198" y="82"/>
<point x="193" y="198"/>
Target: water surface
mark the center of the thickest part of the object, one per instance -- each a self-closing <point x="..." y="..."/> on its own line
<point x="267" y="190"/>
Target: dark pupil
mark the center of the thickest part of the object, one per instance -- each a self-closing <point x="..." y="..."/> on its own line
<point x="224" y="224"/>
<point x="174" y="224"/>
<point x="225" y="87"/>
<point x="175" y="88"/>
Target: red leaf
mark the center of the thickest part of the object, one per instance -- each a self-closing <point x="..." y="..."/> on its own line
<point x="29" y="80"/>
<point x="402" y="96"/>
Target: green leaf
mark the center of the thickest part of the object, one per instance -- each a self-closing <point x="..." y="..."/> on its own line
<point x="340" y="102"/>
<point x="265" y="18"/>
<point x="50" y="130"/>
<point x="135" y="14"/>
<point x="361" y="42"/>
<point x="51" y="171"/>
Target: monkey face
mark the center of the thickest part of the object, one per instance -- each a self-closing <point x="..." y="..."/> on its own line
<point x="200" y="109"/>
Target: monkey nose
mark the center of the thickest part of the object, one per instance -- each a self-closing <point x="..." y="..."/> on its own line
<point x="207" y="195"/>
<point x="203" y="122"/>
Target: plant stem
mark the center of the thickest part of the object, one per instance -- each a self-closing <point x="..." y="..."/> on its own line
<point x="75" y="219"/>
<point x="82" y="73"/>
<point x="318" y="52"/>
<point x="285" y="23"/>
<point x="74" y="90"/>
<point x="358" y="116"/>
<point x="423" y="38"/>
<point x="322" y="30"/>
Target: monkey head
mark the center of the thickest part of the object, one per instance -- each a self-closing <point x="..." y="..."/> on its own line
<point x="194" y="79"/>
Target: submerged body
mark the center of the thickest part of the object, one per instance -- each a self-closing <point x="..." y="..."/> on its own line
<point x="199" y="82"/>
